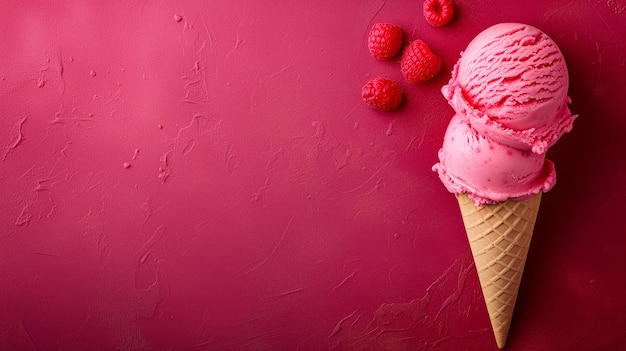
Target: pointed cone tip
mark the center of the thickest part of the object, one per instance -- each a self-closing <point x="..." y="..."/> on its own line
<point x="501" y="341"/>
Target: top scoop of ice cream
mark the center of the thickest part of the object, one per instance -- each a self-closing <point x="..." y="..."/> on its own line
<point x="515" y="74"/>
<point x="511" y="83"/>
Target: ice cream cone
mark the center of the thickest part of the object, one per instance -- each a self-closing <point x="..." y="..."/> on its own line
<point x="499" y="236"/>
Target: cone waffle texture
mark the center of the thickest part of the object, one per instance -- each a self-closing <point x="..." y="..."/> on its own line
<point x="499" y="236"/>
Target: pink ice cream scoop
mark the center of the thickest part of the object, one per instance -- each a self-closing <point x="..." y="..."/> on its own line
<point x="511" y="82"/>
<point x="488" y="170"/>
<point x="509" y="91"/>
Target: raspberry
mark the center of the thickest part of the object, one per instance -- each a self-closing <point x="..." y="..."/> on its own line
<point x="382" y="94"/>
<point x="438" y="12"/>
<point x="385" y="40"/>
<point x="419" y="64"/>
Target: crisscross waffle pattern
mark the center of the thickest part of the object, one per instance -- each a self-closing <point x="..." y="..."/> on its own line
<point x="499" y="236"/>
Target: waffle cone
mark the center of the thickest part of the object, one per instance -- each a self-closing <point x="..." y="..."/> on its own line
<point x="499" y="236"/>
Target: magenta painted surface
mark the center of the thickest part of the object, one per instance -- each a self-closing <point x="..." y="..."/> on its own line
<point x="205" y="176"/>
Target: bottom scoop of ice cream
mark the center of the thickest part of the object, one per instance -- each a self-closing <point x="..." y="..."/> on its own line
<point x="487" y="170"/>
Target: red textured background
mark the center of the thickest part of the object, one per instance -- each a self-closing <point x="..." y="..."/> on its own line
<point x="263" y="206"/>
